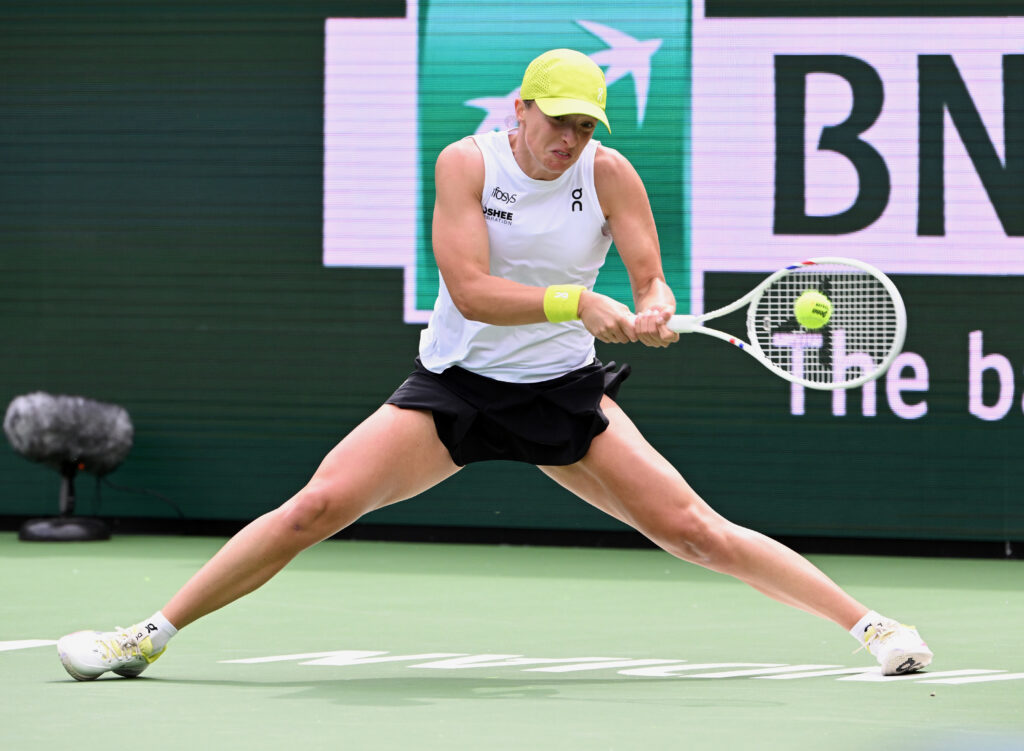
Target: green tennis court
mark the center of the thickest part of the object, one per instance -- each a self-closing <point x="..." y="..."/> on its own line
<point x="374" y="645"/>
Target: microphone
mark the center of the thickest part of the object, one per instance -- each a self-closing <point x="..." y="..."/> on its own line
<point x="68" y="434"/>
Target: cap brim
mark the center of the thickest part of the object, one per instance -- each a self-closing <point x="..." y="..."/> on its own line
<point x="556" y="107"/>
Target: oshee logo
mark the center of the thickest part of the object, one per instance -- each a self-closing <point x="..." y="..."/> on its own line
<point x="497" y="215"/>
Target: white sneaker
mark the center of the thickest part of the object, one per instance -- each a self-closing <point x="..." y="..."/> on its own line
<point x="86" y="655"/>
<point x="898" y="648"/>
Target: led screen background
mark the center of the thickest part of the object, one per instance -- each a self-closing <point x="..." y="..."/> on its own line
<point x="216" y="215"/>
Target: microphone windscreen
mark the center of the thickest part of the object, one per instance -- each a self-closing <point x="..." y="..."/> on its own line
<point x="62" y="430"/>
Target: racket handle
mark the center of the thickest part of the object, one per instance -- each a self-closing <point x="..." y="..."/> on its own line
<point x="683" y="324"/>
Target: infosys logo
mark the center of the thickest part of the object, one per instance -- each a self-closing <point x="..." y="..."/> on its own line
<point x="500" y="195"/>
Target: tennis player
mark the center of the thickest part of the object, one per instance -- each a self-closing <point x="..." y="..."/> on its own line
<point x="507" y="370"/>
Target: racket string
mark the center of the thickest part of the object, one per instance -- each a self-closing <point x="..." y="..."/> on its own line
<point x="858" y="337"/>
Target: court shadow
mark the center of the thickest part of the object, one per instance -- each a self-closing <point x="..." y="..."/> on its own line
<point x="420" y="691"/>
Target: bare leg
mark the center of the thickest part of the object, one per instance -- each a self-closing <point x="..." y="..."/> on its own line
<point x="393" y="455"/>
<point x="624" y="476"/>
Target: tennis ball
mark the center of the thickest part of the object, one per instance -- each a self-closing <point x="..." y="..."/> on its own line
<point x="812" y="309"/>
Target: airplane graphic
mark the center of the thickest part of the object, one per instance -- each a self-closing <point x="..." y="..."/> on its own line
<point x="500" y="109"/>
<point x="625" y="56"/>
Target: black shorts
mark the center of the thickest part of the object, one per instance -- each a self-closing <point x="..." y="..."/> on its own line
<point x="478" y="418"/>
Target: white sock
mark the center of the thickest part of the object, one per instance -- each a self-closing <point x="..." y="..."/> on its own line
<point x="160" y="630"/>
<point x="857" y="632"/>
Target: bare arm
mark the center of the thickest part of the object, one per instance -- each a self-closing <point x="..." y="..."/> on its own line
<point x="461" y="247"/>
<point x="462" y="252"/>
<point x="625" y="203"/>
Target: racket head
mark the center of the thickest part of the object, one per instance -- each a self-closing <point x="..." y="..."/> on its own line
<point x="858" y="344"/>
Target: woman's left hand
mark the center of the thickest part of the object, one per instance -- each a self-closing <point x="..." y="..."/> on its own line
<point x="651" y="327"/>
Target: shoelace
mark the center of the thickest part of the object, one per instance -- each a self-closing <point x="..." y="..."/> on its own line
<point x="876" y="633"/>
<point x="122" y="646"/>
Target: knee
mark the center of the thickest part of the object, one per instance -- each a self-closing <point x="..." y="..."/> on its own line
<point x="698" y="536"/>
<point x="312" y="514"/>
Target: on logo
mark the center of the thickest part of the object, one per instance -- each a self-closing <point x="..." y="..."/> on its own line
<point x="577" y="204"/>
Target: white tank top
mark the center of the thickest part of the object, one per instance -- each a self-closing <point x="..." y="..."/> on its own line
<point x="541" y="232"/>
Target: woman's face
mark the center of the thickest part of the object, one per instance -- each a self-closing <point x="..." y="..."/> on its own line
<point x="545" y="146"/>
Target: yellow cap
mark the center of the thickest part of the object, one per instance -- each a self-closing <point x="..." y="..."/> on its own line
<point x="566" y="82"/>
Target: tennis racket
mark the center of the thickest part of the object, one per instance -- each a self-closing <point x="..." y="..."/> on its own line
<point x="858" y="344"/>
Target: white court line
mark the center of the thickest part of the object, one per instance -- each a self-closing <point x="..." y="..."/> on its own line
<point x="819" y="673"/>
<point x="641" y="667"/>
<point x="619" y="663"/>
<point x="673" y="671"/>
<point x="500" y="661"/>
<point x="982" y="678"/>
<point x="7" y="646"/>
<point x="876" y="676"/>
<point x="758" y="672"/>
<point x="302" y="656"/>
